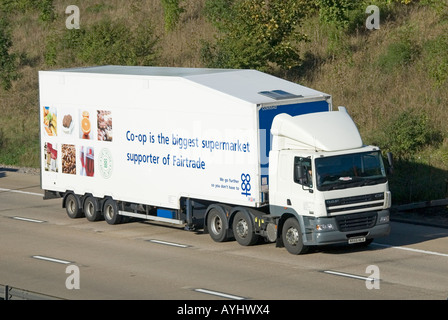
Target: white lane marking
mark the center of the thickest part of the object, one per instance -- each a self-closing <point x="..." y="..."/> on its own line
<point x="168" y="243"/>
<point x="348" y="275"/>
<point x="22" y="192"/>
<point x="52" y="259"/>
<point x="412" y="249"/>
<point x="219" y="294"/>
<point x="28" y="219"/>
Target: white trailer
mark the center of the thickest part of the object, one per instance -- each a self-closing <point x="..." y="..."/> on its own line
<point x="227" y="151"/>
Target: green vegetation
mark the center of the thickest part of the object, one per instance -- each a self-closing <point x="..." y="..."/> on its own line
<point x="436" y="59"/>
<point x="105" y="42"/>
<point x="402" y="52"/>
<point x="8" y="61"/>
<point x="254" y="34"/>
<point x="408" y="132"/>
<point x="392" y="80"/>
<point x="172" y="11"/>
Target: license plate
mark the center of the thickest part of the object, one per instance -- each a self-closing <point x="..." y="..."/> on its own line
<point x="356" y="240"/>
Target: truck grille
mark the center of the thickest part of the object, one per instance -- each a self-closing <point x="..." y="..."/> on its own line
<point x="346" y="204"/>
<point x="358" y="221"/>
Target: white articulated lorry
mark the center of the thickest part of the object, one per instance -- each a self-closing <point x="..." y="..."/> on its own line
<point x="237" y="153"/>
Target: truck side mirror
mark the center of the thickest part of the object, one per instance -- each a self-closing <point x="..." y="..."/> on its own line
<point x="390" y="160"/>
<point x="299" y="173"/>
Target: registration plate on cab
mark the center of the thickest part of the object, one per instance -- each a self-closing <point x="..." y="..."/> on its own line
<point x="356" y="240"/>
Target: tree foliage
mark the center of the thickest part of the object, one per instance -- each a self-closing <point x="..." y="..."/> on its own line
<point x="45" y="8"/>
<point x="254" y="33"/>
<point x="105" y="42"/>
<point x="172" y="11"/>
<point x="337" y="12"/>
<point x="436" y="59"/>
<point x="410" y="131"/>
<point x="8" y="60"/>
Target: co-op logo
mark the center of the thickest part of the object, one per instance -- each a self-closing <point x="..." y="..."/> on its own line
<point x="245" y="184"/>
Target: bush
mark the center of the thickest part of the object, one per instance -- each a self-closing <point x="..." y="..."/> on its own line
<point x="343" y="14"/>
<point x="408" y="132"/>
<point x="254" y="34"/>
<point x="172" y="12"/>
<point x="45" y="8"/>
<point x="402" y="52"/>
<point x="8" y="61"/>
<point x="105" y="42"/>
<point x="436" y="59"/>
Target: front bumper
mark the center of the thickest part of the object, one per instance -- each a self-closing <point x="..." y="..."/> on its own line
<point x="369" y="225"/>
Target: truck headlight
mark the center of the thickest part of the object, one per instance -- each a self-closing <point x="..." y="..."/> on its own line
<point x="384" y="219"/>
<point x="325" y="227"/>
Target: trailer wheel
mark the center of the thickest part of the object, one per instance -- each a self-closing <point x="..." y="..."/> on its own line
<point x="91" y="209"/>
<point x="72" y="206"/>
<point x="217" y="225"/>
<point x="292" y="237"/>
<point x="110" y="212"/>
<point x="243" y="229"/>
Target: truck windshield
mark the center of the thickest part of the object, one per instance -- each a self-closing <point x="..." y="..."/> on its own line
<point x="350" y="170"/>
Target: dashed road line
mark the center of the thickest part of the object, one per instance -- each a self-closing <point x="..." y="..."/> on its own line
<point x="348" y="275"/>
<point x="411" y="249"/>
<point x="51" y="259"/>
<point x="168" y="243"/>
<point x="22" y="192"/>
<point x="219" y="294"/>
<point x="28" y="219"/>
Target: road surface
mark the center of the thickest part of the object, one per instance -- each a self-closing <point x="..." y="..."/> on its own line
<point x="44" y="251"/>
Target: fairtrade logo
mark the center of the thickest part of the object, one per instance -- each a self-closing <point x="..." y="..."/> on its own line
<point x="105" y="163"/>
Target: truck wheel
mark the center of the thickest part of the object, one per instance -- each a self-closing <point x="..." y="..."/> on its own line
<point x="110" y="212"/>
<point x="72" y="206"/>
<point x="243" y="229"/>
<point x="217" y="226"/>
<point x="91" y="209"/>
<point x="292" y="237"/>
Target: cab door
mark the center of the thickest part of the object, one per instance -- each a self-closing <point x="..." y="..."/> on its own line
<point x="302" y="188"/>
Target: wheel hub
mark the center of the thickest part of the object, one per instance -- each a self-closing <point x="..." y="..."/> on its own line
<point x="71" y="206"/>
<point x="109" y="212"/>
<point x="292" y="236"/>
<point x="242" y="228"/>
<point x="216" y="225"/>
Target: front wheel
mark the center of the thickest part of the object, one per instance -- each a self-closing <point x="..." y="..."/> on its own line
<point x="292" y="237"/>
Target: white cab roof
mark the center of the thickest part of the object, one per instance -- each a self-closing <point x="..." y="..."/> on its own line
<point x="323" y="131"/>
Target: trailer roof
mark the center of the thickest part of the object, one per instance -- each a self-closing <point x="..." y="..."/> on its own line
<point x="248" y="85"/>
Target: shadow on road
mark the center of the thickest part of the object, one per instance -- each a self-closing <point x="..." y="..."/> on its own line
<point x="4" y="170"/>
<point x="402" y="234"/>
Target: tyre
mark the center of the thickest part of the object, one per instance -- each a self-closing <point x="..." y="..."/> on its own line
<point x="217" y="225"/>
<point x="292" y="237"/>
<point x="91" y="209"/>
<point x="110" y="212"/>
<point x="243" y="229"/>
<point x="72" y="206"/>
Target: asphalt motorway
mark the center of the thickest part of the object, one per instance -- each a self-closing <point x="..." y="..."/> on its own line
<point x="44" y="251"/>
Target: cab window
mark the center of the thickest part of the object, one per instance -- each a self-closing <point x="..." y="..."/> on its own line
<point x="303" y="171"/>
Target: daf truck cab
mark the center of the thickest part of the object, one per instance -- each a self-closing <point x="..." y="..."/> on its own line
<point x="325" y="185"/>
